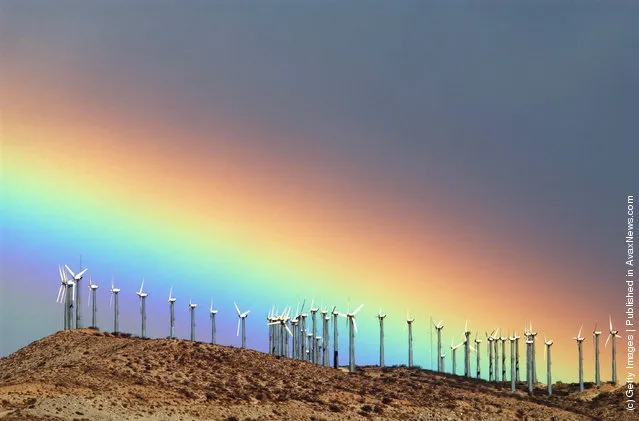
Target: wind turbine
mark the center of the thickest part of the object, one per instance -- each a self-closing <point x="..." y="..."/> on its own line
<point x="142" y="296"/>
<point x="466" y="350"/>
<point x="212" y="313"/>
<point x="313" y="311"/>
<point x="496" y="345"/>
<point x="453" y="349"/>
<point x="114" y="292"/>
<point x="381" y="317"/>
<point x="580" y="340"/>
<point x="516" y="338"/>
<point x="613" y="334"/>
<point x="92" y="296"/>
<point x="335" y="313"/>
<point x="533" y="354"/>
<point x="192" y="310"/>
<point x="595" y="338"/>
<point x="547" y="357"/>
<point x="302" y="332"/>
<point x="503" y="340"/>
<point x="325" y="346"/>
<point x="350" y="318"/>
<point x="241" y="321"/>
<point x="171" y="314"/>
<point x="76" y="279"/>
<point x="490" y="339"/>
<point x="439" y="326"/>
<point x="529" y="373"/>
<point x="513" y="379"/>
<point x="65" y="298"/>
<point x="478" y="348"/>
<point x="409" y="323"/>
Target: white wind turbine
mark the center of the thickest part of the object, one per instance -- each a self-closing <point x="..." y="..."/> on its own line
<point x="516" y="339"/>
<point x="76" y="279"/>
<point x="114" y="292"/>
<point x="513" y="378"/>
<point x="466" y="350"/>
<point x="92" y="296"/>
<point x="241" y="321"/>
<point x="533" y="353"/>
<point x="439" y="326"/>
<point x="212" y="313"/>
<point x="350" y="318"/>
<point x="453" y="349"/>
<point x="613" y="334"/>
<point x="192" y="307"/>
<point x="503" y="340"/>
<point x="409" y="323"/>
<point x="595" y="338"/>
<point x="490" y="340"/>
<point x="142" y="296"/>
<point x="381" y="317"/>
<point x="580" y="340"/>
<point x="325" y="338"/>
<point x="313" y="311"/>
<point x="171" y="314"/>
<point x="548" y="365"/>
<point x="478" y="348"/>
<point x="65" y="296"/>
<point x="335" y="313"/>
<point x="529" y="367"/>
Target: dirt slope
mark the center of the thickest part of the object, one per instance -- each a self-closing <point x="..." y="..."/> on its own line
<point x="89" y="375"/>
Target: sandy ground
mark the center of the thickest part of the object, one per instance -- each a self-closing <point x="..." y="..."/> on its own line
<point x="89" y="375"/>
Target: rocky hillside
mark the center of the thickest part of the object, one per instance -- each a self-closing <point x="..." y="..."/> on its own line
<point x="90" y="375"/>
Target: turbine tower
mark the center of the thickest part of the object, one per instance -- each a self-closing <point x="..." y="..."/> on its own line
<point x="503" y="340"/>
<point x="533" y="354"/>
<point x="241" y="321"/>
<point x="192" y="310"/>
<point x="478" y="348"/>
<point x="92" y="296"/>
<point x="114" y="293"/>
<point x="313" y="311"/>
<point x="142" y="296"/>
<point x="490" y="339"/>
<point x="325" y="319"/>
<point x="439" y="326"/>
<point x="76" y="279"/>
<point x="466" y="350"/>
<point x="513" y="378"/>
<point x="580" y="340"/>
<point x="516" y="337"/>
<point x="496" y="345"/>
<point x="595" y="338"/>
<point x="212" y="313"/>
<point x="529" y="367"/>
<point x="381" y="317"/>
<point x="171" y="314"/>
<point x="302" y="332"/>
<point x="335" y="313"/>
<point x="350" y="319"/>
<point x="548" y="364"/>
<point x="613" y="334"/>
<point x="409" y="323"/>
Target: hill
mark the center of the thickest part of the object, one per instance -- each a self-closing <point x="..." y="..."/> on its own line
<point x="91" y="375"/>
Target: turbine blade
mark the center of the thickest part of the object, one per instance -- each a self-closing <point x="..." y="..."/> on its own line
<point x="142" y="286"/>
<point x="237" y="308"/>
<point x="607" y="339"/>
<point x="59" y="293"/>
<point x="70" y="271"/>
<point x="580" y="329"/>
<point x="358" y="309"/>
<point x="73" y="299"/>
<point x="170" y="292"/>
<point x="111" y="299"/>
<point x="238" y="327"/>
<point x="610" y="318"/>
<point x="79" y="275"/>
<point x="288" y="330"/>
<point x="354" y="325"/>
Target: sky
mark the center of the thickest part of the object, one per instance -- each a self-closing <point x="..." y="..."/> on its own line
<point x="455" y="160"/>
